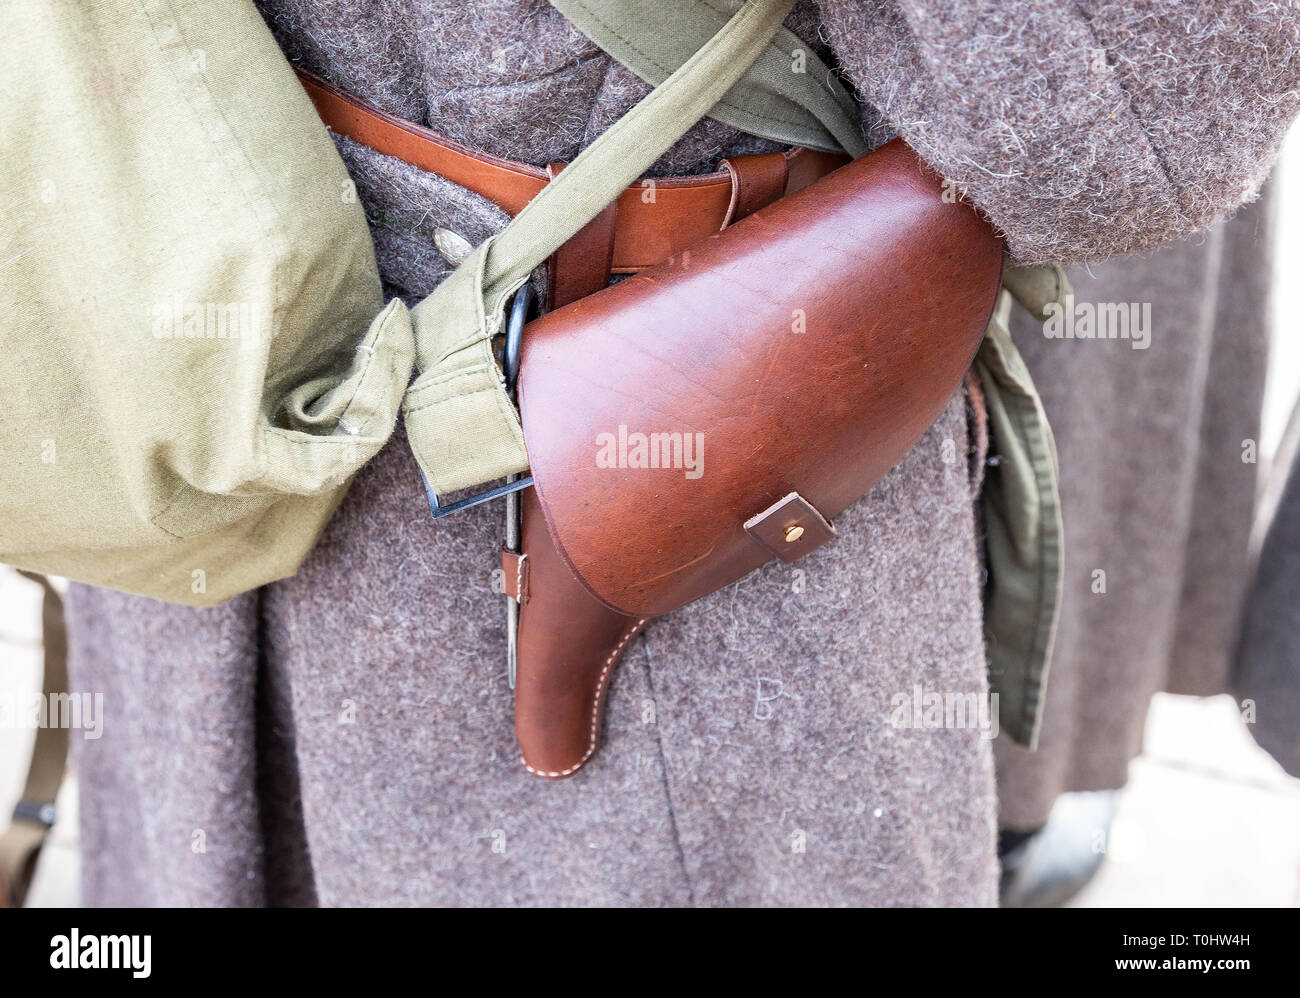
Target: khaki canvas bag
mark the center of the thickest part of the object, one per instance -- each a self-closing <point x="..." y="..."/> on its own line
<point x="198" y="357"/>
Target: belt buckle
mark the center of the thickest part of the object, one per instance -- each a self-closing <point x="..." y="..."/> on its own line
<point x="519" y="308"/>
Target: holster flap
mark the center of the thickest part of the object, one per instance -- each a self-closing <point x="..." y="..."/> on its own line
<point x="802" y="350"/>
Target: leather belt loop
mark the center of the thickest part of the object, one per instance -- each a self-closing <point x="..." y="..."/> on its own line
<point x="756" y="181"/>
<point x="581" y="266"/>
<point x="515" y="575"/>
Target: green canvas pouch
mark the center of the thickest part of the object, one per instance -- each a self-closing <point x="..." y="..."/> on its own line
<point x="198" y="357"/>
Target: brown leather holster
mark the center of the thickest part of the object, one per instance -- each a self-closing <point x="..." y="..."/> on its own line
<point x="719" y="409"/>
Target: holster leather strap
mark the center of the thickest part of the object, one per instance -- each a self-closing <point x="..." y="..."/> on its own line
<point x="756" y="181"/>
<point x="515" y="575"/>
<point x="685" y="424"/>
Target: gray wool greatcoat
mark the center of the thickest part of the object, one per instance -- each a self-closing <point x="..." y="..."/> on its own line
<point x="344" y="737"/>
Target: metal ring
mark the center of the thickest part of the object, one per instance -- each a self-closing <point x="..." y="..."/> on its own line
<point x="519" y="309"/>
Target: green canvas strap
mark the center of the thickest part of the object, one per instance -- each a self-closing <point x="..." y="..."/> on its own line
<point x="788" y="95"/>
<point x="462" y="426"/>
<point x="1021" y="506"/>
<point x="21" y="842"/>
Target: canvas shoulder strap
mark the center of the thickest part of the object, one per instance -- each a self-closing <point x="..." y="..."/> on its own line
<point x="788" y="95"/>
<point x="1021" y="507"/>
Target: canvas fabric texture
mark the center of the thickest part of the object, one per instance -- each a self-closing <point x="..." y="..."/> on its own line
<point x="789" y="95"/>
<point x="1020" y="503"/>
<point x="202" y="460"/>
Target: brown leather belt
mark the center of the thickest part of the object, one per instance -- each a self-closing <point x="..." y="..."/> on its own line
<point x="650" y="221"/>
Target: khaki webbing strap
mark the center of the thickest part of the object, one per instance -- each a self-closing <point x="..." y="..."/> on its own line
<point x="788" y="94"/>
<point x="462" y="426"/>
<point x="1021" y="505"/>
<point x="21" y="842"/>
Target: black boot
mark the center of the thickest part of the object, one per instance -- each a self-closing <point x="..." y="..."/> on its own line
<point x="1047" y="867"/>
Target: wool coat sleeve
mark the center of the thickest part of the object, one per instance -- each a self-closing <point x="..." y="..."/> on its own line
<point x="1088" y="129"/>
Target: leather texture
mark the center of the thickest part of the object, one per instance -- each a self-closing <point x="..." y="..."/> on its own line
<point x="805" y="349"/>
<point x="654" y="219"/>
<point x="801" y="352"/>
<point x="809" y="345"/>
